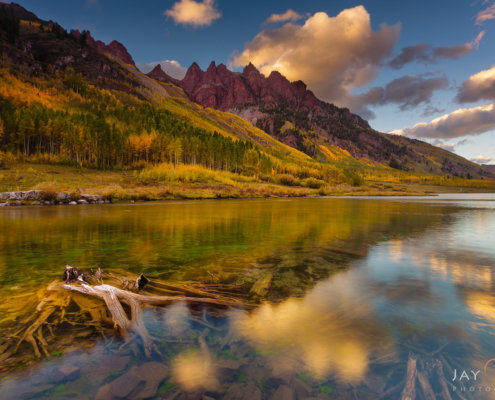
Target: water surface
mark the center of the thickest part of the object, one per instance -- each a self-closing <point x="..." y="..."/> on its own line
<point x="355" y="287"/>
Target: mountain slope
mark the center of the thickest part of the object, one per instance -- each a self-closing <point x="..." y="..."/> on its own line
<point x="67" y="98"/>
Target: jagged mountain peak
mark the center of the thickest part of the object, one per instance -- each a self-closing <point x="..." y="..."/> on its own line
<point x="115" y="48"/>
<point x="160" y="75"/>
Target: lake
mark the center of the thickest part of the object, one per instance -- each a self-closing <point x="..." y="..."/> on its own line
<point x="344" y="296"/>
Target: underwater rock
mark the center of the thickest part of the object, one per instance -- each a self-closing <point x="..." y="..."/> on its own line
<point x="153" y="373"/>
<point x="247" y="391"/>
<point x="64" y="373"/>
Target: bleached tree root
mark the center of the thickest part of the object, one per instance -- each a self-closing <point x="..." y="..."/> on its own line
<point x="123" y="325"/>
<point x="82" y="310"/>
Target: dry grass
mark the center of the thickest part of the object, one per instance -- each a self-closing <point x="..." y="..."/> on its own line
<point x="193" y="182"/>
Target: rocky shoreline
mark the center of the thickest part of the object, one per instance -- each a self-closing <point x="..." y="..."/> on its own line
<point x="44" y="198"/>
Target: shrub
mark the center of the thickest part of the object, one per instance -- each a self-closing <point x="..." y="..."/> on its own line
<point x="191" y="174"/>
<point x="48" y="191"/>
<point x="287" y="180"/>
<point x="313" y="183"/>
<point x="6" y="159"/>
<point x="353" y="178"/>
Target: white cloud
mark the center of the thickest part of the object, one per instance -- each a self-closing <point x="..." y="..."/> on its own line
<point x="194" y="13"/>
<point x="478" y="87"/>
<point x="171" y="67"/>
<point x="289" y="15"/>
<point x="333" y="55"/>
<point x="461" y="122"/>
<point x="481" y="159"/>
<point x="486" y="15"/>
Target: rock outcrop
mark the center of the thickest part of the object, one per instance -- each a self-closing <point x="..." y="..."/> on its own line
<point x="41" y="197"/>
<point x="220" y="88"/>
<point x="115" y="48"/>
<point x="160" y="75"/>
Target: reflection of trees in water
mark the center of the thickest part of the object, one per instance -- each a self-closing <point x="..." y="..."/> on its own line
<point x="298" y="241"/>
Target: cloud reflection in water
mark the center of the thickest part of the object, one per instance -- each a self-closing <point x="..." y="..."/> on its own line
<point x="331" y="330"/>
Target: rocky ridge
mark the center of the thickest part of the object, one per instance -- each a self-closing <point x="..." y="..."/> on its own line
<point x="115" y="48"/>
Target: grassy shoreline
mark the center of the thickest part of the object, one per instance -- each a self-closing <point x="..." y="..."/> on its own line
<point x="134" y="185"/>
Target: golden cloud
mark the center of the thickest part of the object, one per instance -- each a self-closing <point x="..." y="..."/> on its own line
<point x="289" y="15"/>
<point x="478" y="87"/>
<point x="333" y="55"/>
<point x="194" y="13"/>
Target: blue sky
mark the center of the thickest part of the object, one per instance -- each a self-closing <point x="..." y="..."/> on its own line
<point x="339" y="47"/>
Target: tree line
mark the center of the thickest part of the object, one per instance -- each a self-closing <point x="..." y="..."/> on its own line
<point x="103" y="132"/>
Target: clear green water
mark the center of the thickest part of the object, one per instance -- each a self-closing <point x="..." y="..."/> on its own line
<point x="357" y="284"/>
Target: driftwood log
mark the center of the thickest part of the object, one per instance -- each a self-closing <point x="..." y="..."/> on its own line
<point x="87" y="304"/>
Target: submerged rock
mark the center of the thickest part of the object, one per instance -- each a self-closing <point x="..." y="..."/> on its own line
<point x="140" y="382"/>
<point x="64" y="373"/>
<point x="124" y="387"/>
<point x="239" y="391"/>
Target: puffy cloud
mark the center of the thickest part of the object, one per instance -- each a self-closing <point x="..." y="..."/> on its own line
<point x="481" y="159"/>
<point x="190" y="12"/>
<point x="426" y="53"/>
<point x="289" y="15"/>
<point x="461" y="122"/>
<point x="171" y="67"/>
<point x="485" y="15"/>
<point x="333" y="55"/>
<point x="478" y="87"/>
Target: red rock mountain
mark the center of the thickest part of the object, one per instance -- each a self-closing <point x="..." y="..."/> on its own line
<point x="225" y="90"/>
<point x="160" y="75"/>
<point x="292" y="114"/>
<point x="115" y="48"/>
<point x="286" y="110"/>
